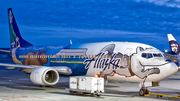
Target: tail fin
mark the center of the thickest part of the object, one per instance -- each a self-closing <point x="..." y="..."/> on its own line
<point x="175" y="48"/>
<point x="15" y="35"/>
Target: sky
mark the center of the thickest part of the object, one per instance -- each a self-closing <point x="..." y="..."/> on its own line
<point x="48" y="22"/>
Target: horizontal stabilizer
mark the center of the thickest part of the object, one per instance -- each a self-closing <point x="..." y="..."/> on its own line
<point x="5" y="51"/>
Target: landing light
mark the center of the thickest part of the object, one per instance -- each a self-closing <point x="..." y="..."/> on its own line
<point x="96" y="75"/>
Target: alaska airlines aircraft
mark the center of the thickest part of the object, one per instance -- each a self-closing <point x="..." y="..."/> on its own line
<point x="175" y="50"/>
<point x="115" y="61"/>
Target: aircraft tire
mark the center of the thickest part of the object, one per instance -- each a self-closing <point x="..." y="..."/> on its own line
<point x="41" y="86"/>
<point x="142" y="92"/>
<point x="98" y="94"/>
<point x="71" y="92"/>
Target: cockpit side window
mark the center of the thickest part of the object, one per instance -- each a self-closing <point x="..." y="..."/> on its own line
<point x="164" y="55"/>
<point x="144" y="55"/>
<point x="157" y="55"/>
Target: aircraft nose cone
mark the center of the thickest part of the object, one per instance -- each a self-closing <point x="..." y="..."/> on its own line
<point x="169" y="69"/>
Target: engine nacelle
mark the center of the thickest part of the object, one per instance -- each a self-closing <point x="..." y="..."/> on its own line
<point x="44" y="76"/>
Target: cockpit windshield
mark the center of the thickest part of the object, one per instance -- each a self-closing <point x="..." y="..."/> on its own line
<point x="151" y="55"/>
<point x="157" y="55"/>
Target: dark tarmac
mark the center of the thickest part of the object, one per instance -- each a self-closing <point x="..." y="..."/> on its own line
<point x="16" y="86"/>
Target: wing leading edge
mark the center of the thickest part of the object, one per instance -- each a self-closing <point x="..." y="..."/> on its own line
<point x="60" y="69"/>
<point x="5" y="51"/>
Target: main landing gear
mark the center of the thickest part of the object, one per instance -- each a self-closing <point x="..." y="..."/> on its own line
<point x="44" y="86"/>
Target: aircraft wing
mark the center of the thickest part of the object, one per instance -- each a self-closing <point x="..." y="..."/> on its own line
<point x="5" y="51"/>
<point x="18" y="66"/>
<point x="60" y="69"/>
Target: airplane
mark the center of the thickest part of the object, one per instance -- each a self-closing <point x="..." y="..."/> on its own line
<point x="114" y="61"/>
<point x="175" y="49"/>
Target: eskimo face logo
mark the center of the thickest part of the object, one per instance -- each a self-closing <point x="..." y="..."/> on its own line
<point x="174" y="47"/>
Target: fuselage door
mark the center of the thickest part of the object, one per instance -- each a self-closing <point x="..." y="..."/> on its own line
<point x="128" y="53"/>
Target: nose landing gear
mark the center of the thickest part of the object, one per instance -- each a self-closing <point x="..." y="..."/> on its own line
<point x="143" y="91"/>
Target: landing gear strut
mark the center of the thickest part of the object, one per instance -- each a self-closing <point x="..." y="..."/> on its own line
<point x="143" y="89"/>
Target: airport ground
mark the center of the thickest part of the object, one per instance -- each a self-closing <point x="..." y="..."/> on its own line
<point x="16" y="86"/>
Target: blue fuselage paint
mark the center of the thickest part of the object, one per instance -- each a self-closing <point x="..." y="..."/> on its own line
<point x="76" y="65"/>
<point x="46" y="56"/>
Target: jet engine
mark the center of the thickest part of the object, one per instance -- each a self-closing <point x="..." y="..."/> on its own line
<point x="44" y="76"/>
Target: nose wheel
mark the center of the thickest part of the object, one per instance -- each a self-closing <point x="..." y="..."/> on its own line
<point x="143" y="91"/>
